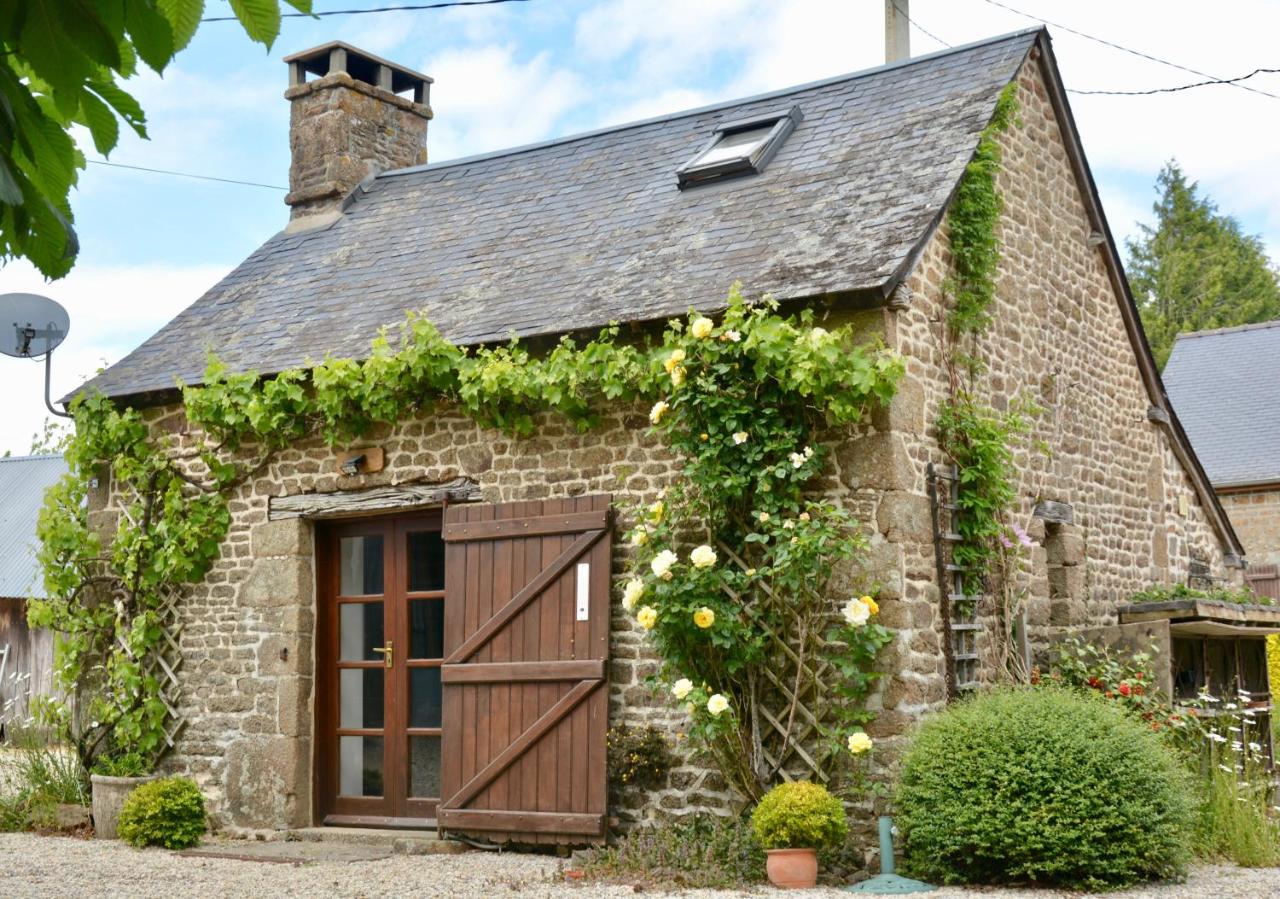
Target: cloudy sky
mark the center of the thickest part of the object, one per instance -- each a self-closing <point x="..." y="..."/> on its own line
<point x="519" y="72"/>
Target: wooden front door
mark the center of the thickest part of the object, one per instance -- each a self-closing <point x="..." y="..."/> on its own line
<point x="526" y="645"/>
<point x="380" y="644"/>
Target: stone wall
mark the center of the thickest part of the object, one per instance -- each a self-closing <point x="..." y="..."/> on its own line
<point x="1255" y="514"/>
<point x="247" y="630"/>
<point x="1058" y="337"/>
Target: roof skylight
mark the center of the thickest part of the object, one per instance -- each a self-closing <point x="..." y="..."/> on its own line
<point x="739" y="148"/>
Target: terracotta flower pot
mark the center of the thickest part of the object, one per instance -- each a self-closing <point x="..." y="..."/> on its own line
<point x="109" y="794"/>
<point x="792" y="869"/>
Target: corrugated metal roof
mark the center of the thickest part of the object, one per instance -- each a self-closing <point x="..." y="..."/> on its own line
<point x="23" y="481"/>
<point x="579" y="232"/>
<point x="1225" y="387"/>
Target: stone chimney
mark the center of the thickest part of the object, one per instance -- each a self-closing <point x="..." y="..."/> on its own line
<point x="357" y="115"/>
<point x="897" y="31"/>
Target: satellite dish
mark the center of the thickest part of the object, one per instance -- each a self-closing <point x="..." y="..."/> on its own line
<point x="31" y="325"/>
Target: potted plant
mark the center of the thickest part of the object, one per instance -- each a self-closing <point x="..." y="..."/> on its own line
<point x="792" y="822"/>
<point x="113" y="779"/>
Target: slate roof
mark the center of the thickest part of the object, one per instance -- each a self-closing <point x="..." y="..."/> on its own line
<point x="23" y="480"/>
<point x="578" y="232"/>
<point x="1225" y="387"/>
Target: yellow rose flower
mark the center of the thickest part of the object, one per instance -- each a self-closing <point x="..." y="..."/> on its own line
<point x="647" y="617"/>
<point x="859" y="743"/>
<point x="659" y="409"/>
<point x="682" y="688"/>
<point x="702" y="328"/>
<point x="677" y="376"/>
<point x="739" y="437"/>
<point x="640" y="536"/>
<point x="717" y="704"/>
<point x="703" y="556"/>
<point x="704" y="618"/>
<point x="631" y="593"/>
<point x="656" y="510"/>
<point x="676" y="357"/>
<point x="872" y="606"/>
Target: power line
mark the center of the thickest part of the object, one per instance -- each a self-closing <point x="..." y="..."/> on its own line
<point x="361" y="12"/>
<point x="140" y="168"/>
<point x="1182" y="87"/>
<point x="926" y="32"/>
<point x="1130" y="50"/>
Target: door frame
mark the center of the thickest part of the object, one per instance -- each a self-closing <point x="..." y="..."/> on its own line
<point x="328" y="808"/>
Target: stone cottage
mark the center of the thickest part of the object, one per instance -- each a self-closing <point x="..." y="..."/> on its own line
<point x="1224" y="384"/>
<point x="317" y="652"/>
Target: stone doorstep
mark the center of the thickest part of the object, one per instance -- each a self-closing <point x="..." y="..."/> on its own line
<point x="400" y="842"/>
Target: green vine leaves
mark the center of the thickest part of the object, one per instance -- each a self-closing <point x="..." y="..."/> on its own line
<point x="771" y="377"/>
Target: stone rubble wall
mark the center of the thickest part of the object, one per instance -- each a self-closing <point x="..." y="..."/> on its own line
<point x="1255" y="514"/>
<point x="1057" y="336"/>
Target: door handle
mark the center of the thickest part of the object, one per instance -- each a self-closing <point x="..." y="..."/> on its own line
<point x="386" y="652"/>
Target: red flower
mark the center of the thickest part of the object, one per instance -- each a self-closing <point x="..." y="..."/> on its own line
<point x="1124" y="690"/>
<point x="1094" y="682"/>
<point x="1137" y="691"/>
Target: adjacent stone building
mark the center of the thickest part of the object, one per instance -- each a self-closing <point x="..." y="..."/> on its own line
<point x="1225" y="384"/>
<point x="840" y="203"/>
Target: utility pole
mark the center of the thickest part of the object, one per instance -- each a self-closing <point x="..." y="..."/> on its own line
<point x="897" y="37"/>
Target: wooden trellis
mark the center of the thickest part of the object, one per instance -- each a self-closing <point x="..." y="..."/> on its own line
<point x="786" y="741"/>
<point x="165" y="659"/>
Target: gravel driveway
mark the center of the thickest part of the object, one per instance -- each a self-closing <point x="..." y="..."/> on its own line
<point x="46" y="867"/>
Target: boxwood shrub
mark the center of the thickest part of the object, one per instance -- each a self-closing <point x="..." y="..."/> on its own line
<point x="168" y="812"/>
<point x="1042" y="785"/>
<point x="799" y="815"/>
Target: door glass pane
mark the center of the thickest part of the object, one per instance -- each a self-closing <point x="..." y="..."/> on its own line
<point x="361" y="566"/>
<point x="426" y="629"/>
<point x="426" y="561"/>
<point x="360" y="629"/>
<point x="360" y="766"/>
<point x="424" y="697"/>
<point x="361" y="697"/>
<point x="424" y="767"/>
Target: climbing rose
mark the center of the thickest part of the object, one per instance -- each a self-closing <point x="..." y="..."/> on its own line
<point x="701" y="328"/>
<point x="659" y="409"/>
<point x="859" y="743"/>
<point x="677" y="376"/>
<point x="717" y="704"/>
<point x="681" y="688"/>
<point x="703" y="557"/>
<point x="797" y="459"/>
<point x="631" y="593"/>
<point x="676" y="357"/>
<point x="640" y="536"/>
<point x="764" y="516"/>
<point x="704" y="618"/>
<point x="731" y="336"/>
<point x="855" y="612"/>
<point x="656" y="510"/>
<point x="661" y="564"/>
<point x="740" y="437"/>
<point x="872" y="606"/>
<point x="647" y="616"/>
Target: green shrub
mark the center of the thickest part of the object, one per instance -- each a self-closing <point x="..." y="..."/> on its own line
<point x="696" y="852"/>
<point x="799" y="816"/>
<point x="168" y="812"/>
<point x="1044" y="785"/>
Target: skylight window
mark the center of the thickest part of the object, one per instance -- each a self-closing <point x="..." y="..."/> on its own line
<point x="739" y="148"/>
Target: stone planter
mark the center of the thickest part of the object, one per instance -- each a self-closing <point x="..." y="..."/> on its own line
<point x="109" y="794"/>
<point x="792" y="869"/>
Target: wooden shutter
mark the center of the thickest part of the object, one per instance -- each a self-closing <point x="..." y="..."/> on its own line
<point x="526" y="648"/>
<point x="1263" y="580"/>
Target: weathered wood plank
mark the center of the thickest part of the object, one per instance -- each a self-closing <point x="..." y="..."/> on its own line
<point x="376" y="499"/>
<point x="516" y="528"/>
<point x="505" y="821"/>
<point x="520" y="672"/>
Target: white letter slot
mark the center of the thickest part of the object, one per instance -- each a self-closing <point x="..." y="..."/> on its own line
<point x="584" y="590"/>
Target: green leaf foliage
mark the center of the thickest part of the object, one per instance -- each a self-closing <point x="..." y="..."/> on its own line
<point x="799" y="815"/>
<point x="61" y="64"/>
<point x="1042" y="785"/>
<point x="106" y="590"/>
<point x="1195" y="270"/>
<point x="168" y="812"/>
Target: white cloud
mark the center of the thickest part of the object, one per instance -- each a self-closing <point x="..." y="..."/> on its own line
<point x="112" y="309"/>
<point x="486" y="99"/>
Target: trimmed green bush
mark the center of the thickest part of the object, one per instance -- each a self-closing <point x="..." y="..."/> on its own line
<point x="1043" y="785"/>
<point x="799" y="816"/>
<point x="168" y="813"/>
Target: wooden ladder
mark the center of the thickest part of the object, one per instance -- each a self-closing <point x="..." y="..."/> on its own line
<point x="959" y="605"/>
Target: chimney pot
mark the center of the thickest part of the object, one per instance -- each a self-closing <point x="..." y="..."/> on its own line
<point x="358" y="116"/>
